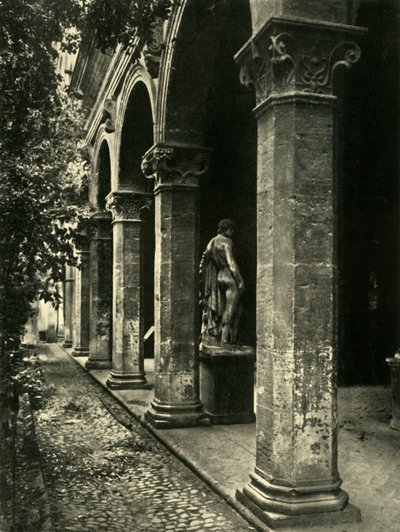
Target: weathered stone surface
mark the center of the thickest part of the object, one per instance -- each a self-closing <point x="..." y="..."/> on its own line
<point x="227" y="383"/>
<point x="128" y="319"/>
<point x="68" y="306"/>
<point x="176" y="172"/>
<point x="332" y="11"/>
<point x="100" y="293"/>
<point x="82" y="302"/>
<point x="296" y="470"/>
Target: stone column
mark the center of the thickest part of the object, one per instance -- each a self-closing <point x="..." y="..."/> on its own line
<point x="394" y="364"/>
<point x="82" y="299"/>
<point x="60" y="312"/>
<point x="176" y="395"/>
<point x="100" y="292"/>
<point x="128" y="320"/>
<point x="291" y="65"/>
<point x="68" y="306"/>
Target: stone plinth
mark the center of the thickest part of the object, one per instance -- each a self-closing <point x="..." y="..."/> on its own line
<point x="100" y="292"/>
<point x="291" y="64"/>
<point x="176" y="393"/>
<point x="128" y="319"/>
<point x="82" y="301"/>
<point x="68" y="306"/>
<point x="227" y="383"/>
<point x="394" y="364"/>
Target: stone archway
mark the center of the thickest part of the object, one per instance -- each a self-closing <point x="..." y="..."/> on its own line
<point x="133" y="235"/>
<point x="100" y="260"/>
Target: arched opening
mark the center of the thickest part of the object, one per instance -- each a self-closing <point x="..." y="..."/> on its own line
<point x="136" y="139"/>
<point x="104" y="175"/>
<point x="206" y="105"/>
<point x="229" y="188"/>
<point x="368" y="203"/>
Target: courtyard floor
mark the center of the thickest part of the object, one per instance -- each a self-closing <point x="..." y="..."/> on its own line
<point x="106" y="472"/>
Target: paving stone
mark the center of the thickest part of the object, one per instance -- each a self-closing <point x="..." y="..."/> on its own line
<point x="102" y="476"/>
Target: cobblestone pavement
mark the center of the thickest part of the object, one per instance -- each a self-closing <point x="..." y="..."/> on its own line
<point x="104" y="474"/>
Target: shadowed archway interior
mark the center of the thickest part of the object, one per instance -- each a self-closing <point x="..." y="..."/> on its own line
<point x="136" y="139"/>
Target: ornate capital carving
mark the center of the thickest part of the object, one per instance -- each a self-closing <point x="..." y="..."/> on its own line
<point x="175" y="166"/>
<point x="110" y="112"/>
<point x="297" y="56"/>
<point x="127" y="206"/>
<point x="154" y="47"/>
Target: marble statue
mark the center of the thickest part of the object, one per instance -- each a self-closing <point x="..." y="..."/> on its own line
<point x="221" y="288"/>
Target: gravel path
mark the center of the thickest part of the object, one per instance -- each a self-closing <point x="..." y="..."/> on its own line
<point x="104" y="474"/>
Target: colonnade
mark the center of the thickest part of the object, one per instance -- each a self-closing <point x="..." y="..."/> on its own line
<point x="291" y="64"/>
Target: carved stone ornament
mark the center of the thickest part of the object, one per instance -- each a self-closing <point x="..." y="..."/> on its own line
<point x="127" y="206"/>
<point x="175" y="166"/>
<point x="110" y="112"/>
<point x="287" y="56"/>
<point x="153" y="48"/>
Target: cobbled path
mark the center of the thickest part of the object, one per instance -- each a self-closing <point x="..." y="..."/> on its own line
<point x="104" y="474"/>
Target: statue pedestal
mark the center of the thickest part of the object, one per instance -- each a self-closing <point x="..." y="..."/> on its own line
<point x="227" y="383"/>
<point x="394" y="364"/>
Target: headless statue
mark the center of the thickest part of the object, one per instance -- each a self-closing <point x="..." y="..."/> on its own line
<point x="221" y="288"/>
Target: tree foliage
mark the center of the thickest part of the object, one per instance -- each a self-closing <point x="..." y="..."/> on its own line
<point x="44" y="169"/>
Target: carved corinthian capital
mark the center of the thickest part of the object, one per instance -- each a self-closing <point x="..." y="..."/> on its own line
<point x="175" y="166"/>
<point x="127" y="206"/>
<point x="297" y="56"/>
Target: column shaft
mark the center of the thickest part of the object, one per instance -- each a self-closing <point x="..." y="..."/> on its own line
<point x="100" y="293"/>
<point x="82" y="302"/>
<point x="176" y="394"/>
<point x="128" y="319"/>
<point x="68" y="306"/>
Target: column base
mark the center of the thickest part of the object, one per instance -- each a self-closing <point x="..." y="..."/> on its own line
<point x="80" y="352"/>
<point x="281" y="506"/>
<point x="67" y="344"/>
<point x="395" y="423"/>
<point x="93" y="363"/>
<point x="167" y="416"/>
<point x="129" y="381"/>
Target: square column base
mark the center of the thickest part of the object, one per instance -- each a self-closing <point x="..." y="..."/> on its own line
<point x="227" y="383"/>
<point x="67" y="344"/>
<point x="130" y="381"/>
<point x="162" y="416"/>
<point x="93" y="363"/>
<point x="350" y="514"/>
<point x="80" y="352"/>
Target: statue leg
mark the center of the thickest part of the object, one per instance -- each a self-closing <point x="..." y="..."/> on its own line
<point x="232" y="299"/>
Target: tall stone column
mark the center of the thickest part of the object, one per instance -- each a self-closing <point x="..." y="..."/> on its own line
<point x="176" y="395"/>
<point x="100" y="292"/>
<point x="291" y="64"/>
<point x="82" y="299"/>
<point x="128" y="320"/>
<point x="68" y="306"/>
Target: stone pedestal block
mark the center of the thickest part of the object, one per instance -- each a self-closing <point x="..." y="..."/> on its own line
<point x="82" y="301"/>
<point x="227" y="383"/>
<point x="394" y="364"/>
<point x="291" y="64"/>
<point x="100" y="292"/>
<point x="68" y="306"/>
<point x="128" y="319"/>
<point x="176" y="394"/>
